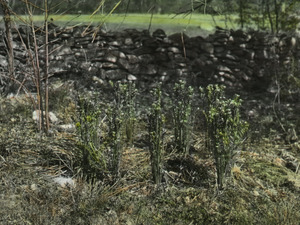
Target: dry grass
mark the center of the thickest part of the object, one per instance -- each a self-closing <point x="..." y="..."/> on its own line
<point x="261" y="190"/>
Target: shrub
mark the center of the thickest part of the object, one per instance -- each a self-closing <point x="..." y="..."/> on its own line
<point x="127" y="93"/>
<point x="102" y="131"/>
<point x="224" y="128"/>
<point x="182" y="116"/>
<point x="92" y="158"/>
<point x="155" y="126"/>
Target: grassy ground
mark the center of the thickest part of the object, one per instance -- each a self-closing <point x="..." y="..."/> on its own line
<point x="194" y="24"/>
<point x="262" y="189"/>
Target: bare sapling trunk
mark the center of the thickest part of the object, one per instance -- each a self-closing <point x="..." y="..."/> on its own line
<point x="8" y="36"/>
<point x="37" y="73"/>
<point x="46" y="67"/>
<point x="241" y="13"/>
<point x="276" y="11"/>
<point x="38" y="81"/>
<point x="270" y="16"/>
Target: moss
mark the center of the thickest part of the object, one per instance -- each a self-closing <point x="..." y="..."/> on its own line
<point x="270" y="172"/>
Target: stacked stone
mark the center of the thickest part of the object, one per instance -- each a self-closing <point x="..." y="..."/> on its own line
<point x="235" y="58"/>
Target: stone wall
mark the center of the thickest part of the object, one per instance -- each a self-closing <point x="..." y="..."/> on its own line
<point x="235" y="58"/>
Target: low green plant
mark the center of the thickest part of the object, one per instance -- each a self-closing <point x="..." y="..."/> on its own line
<point x="92" y="161"/>
<point x="155" y="129"/>
<point x="115" y="120"/>
<point x="102" y="130"/>
<point x="182" y="116"/>
<point x="129" y="93"/>
<point x="121" y="117"/>
<point x="224" y="128"/>
<point x="287" y="80"/>
<point x="114" y="137"/>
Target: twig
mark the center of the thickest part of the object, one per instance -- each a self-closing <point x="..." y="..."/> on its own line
<point x="183" y="45"/>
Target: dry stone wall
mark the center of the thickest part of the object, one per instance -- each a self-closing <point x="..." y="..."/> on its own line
<point x="235" y="58"/>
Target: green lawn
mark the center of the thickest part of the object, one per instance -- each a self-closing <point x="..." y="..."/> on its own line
<point x="170" y="22"/>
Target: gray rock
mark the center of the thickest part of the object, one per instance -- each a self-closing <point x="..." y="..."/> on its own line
<point x="110" y="58"/>
<point x="108" y="65"/>
<point x="159" y="33"/>
<point x="114" y="75"/>
<point x="128" y="41"/>
<point x="98" y="80"/>
<point x="36" y="116"/>
<point x="179" y="38"/>
<point x="131" y="77"/>
<point x="146" y="59"/>
<point x="207" y="47"/>
<point x="112" y="217"/>
<point x="261" y="54"/>
<point x="224" y="69"/>
<point x="115" y="43"/>
<point x="124" y="63"/>
<point x="3" y="61"/>
<point x="64" y="181"/>
<point x="149" y="69"/>
<point x="174" y="50"/>
<point x="133" y="59"/>
<point x="64" y="51"/>
<point x="219" y="49"/>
